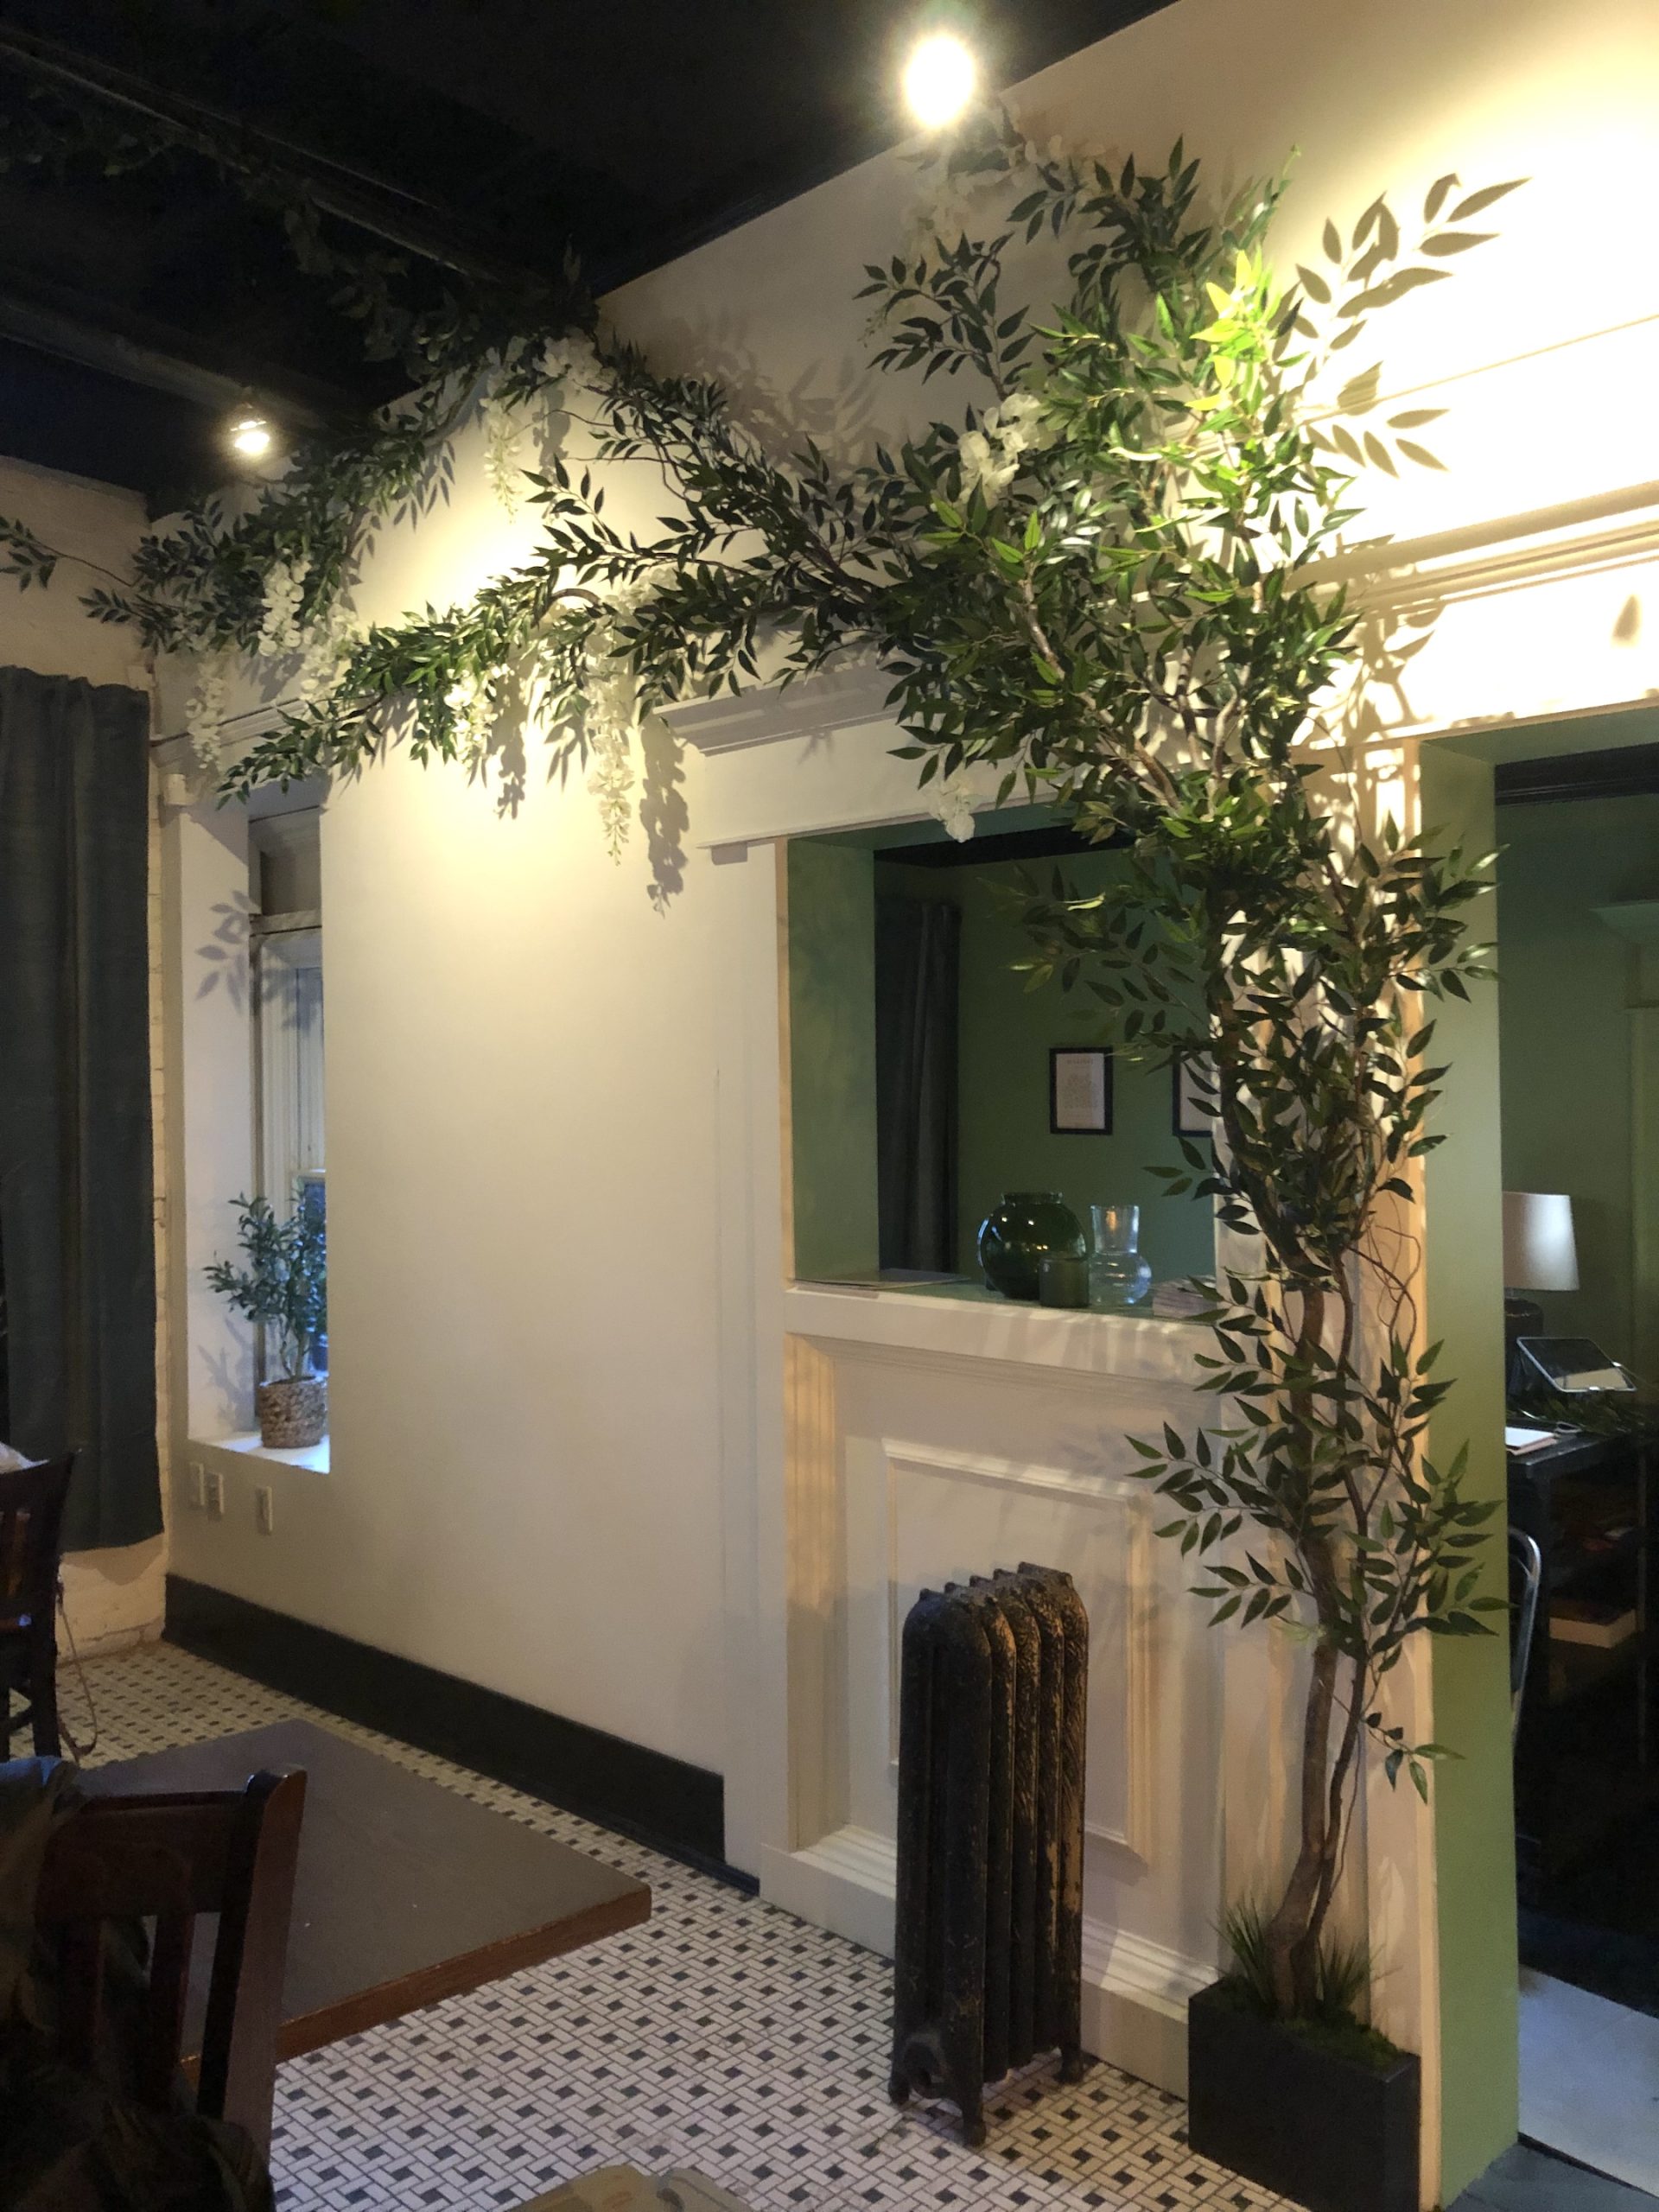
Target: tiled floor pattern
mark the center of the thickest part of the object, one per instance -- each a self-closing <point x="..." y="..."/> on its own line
<point x="723" y="2035"/>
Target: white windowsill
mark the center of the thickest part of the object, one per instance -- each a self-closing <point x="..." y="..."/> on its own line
<point x="247" y="1446"/>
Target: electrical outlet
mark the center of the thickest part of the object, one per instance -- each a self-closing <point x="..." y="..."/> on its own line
<point x="198" y="1485"/>
<point x="261" y="1512"/>
<point x="215" y="1494"/>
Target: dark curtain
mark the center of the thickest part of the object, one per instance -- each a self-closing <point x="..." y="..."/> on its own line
<point x="77" y="1249"/>
<point x="916" y="956"/>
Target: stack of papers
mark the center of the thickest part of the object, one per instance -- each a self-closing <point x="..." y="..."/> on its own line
<point x="1528" y="1439"/>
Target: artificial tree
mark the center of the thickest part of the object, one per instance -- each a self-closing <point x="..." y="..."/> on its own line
<point x="1100" y="581"/>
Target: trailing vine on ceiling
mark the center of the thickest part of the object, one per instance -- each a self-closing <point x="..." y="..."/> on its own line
<point x="1098" y="581"/>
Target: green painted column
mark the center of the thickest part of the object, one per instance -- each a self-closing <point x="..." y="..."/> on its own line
<point x="1473" y="1795"/>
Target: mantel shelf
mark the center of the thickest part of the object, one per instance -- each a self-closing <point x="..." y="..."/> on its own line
<point x="1122" y="1346"/>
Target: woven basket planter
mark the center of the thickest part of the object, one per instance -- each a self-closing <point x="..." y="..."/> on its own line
<point x="294" y="1414"/>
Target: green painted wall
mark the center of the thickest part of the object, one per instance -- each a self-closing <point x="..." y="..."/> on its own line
<point x="832" y="906"/>
<point x="1563" y="995"/>
<point x="1006" y="1033"/>
<point x="1474" y="1813"/>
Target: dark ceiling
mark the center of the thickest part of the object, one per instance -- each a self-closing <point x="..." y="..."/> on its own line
<point x="132" y="305"/>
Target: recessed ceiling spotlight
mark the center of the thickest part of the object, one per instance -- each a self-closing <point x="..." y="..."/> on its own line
<point x="249" y="433"/>
<point x="939" y="78"/>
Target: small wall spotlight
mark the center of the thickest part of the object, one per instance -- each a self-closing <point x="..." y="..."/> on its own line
<point x="939" y="78"/>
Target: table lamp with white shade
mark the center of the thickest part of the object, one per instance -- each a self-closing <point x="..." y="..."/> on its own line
<point x="1538" y="1254"/>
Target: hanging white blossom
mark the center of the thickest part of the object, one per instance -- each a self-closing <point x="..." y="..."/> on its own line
<point x="949" y="208"/>
<point x="279" y="628"/>
<point x="503" y="430"/>
<point x="470" y="702"/>
<point x="571" y="364"/>
<point x="203" y="714"/>
<point x="611" y="720"/>
<point x="949" y="803"/>
<point x="610" y="695"/>
<point x="990" y="455"/>
<point x="327" y="644"/>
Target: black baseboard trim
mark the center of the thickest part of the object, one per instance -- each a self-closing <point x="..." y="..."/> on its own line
<point x="677" y="1809"/>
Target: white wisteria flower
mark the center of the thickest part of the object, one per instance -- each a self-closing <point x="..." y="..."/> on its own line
<point x="503" y="430"/>
<point x="990" y="455"/>
<point x="279" y="628"/>
<point x="610" y="694"/>
<point x="473" y="709"/>
<point x="204" y="713"/>
<point x="327" y="642"/>
<point x="949" y="804"/>
<point x="571" y="364"/>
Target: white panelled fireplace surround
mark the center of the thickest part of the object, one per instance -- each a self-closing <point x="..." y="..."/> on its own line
<point x="927" y="1441"/>
<point x="882" y="1441"/>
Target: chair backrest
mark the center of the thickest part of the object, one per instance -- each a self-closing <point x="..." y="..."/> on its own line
<point x="31" y="1539"/>
<point x="167" y="1859"/>
<point x="1526" y="1576"/>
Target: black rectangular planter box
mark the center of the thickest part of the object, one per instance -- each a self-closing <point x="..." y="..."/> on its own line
<point x="1325" y="2130"/>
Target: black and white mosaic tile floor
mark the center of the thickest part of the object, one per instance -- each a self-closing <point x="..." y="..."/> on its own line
<point x="722" y="2036"/>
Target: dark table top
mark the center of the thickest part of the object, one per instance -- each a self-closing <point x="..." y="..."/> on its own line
<point x="406" y="1891"/>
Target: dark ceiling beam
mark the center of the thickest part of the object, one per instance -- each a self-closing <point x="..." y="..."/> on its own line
<point x="54" y="319"/>
<point x="386" y="211"/>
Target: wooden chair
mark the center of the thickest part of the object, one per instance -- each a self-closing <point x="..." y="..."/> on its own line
<point x="166" y="1860"/>
<point x="31" y="1543"/>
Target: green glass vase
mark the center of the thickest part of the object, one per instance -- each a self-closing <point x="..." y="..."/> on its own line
<point x="1019" y="1233"/>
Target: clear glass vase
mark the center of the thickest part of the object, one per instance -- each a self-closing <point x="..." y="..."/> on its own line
<point x="1118" y="1276"/>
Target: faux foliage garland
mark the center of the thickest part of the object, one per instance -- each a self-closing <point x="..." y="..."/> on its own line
<point x="1096" y="581"/>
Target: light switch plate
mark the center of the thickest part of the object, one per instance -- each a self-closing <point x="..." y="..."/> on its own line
<point x="262" y="1510"/>
<point x="215" y="1494"/>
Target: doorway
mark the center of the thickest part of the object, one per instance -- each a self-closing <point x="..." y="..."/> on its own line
<point x="1578" y="895"/>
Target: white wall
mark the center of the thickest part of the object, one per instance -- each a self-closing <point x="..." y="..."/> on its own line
<point x="48" y="630"/>
<point x="522" y="1063"/>
<point x="112" y="1596"/>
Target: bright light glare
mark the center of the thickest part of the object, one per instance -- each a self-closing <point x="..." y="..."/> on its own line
<point x="249" y="435"/>
<point x="939" y="80"/>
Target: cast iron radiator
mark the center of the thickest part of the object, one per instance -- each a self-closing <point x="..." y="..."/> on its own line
<point x="988" y="1967"/>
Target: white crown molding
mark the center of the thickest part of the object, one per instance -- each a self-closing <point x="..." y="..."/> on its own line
<point x="1509" y="552"/>
<point x="836" y="698"/>
<point x="1547" y="545"/>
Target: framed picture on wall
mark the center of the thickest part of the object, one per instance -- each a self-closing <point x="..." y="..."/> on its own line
<point x="1191" y="1082"/>
<point x="1079" y="1092"/>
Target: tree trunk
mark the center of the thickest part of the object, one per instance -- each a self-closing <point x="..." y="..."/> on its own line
<point x="1293" y="1935"/>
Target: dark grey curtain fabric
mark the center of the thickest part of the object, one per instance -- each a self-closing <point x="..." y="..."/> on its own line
<point x="77" y="1249"/>
<point x="917" y="943"/>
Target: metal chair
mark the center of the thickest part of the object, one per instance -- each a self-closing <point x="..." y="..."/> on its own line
<point x="31" y="1549"/>
<point x="1526" y="1575"/>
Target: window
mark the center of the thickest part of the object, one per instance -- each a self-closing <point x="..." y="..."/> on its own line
<point x="287" y="933"/>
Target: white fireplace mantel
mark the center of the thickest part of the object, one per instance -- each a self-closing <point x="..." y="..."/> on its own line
<point x="919" y="1324"/>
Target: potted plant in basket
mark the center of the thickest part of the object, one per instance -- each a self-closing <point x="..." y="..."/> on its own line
<point x="282" y="1286"/>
